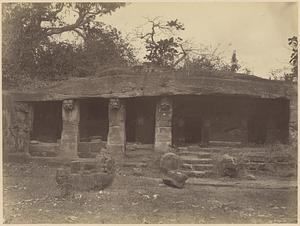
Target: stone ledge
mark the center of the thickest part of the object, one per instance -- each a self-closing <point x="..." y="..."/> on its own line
<point x="17" y="157"/>
<point x="27" y="158"/>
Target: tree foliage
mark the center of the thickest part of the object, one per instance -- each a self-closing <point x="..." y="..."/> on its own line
<point x="234" y="63"/>
<point x="206" y="58"/>
<point x="32" y="44"/>
<point x="293" y="43"/>
<point x="285" y="73"/>
<point x="164" y="47"/>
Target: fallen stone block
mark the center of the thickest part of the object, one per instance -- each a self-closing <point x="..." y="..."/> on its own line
<point x="175" y="179"/>
<point x="250" y="177"/>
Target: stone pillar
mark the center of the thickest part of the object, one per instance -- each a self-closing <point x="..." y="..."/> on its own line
<point x="116" y="139"/>
<point x="22" y="126"/>
<point x="16" y="125"/>
<point x="70" y="129"/>
<point x="163" y="125"/>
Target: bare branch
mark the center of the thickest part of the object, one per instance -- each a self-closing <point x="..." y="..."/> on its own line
<point x="80" y="20"/>
<point x="80" y="34"/>
<point x="84" y="15"/>
<point x="184" y="54"/>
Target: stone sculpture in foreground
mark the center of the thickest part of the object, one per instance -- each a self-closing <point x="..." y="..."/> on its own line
<point x="86" y="175"/>
<point x="170" y="165"/>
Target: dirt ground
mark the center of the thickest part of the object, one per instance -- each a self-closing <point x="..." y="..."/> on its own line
<point x="30" y="196"/>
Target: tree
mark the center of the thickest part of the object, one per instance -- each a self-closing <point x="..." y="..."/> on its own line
<point x="293" y="43"/>
<point x="102" y="46"/>
<point x="164" y="48"/>
<point x="105" y="45"/>
<point x="234" y="63"/>
<point x="205" y="58"/>
<point x="285" y="73"/>
<point x="31" y="43"/>
<point x="280" y="74"/>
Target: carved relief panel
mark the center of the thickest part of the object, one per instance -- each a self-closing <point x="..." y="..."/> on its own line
<point x="164" y="113"/>
<point x="68" y="105"/>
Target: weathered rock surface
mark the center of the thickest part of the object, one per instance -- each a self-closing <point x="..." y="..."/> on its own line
<point x="170" y="164"/>
<point x="85" y="175"/>
<point x="17" y="124"/>
<point x="140" y="84"/>
<point x="175" y="179"/>
<point x="250" y="177"/>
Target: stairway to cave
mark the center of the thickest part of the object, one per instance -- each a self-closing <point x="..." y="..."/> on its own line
<point x="196" y="162"/>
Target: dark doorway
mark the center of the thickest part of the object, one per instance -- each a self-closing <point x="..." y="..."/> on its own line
<point x="93" y="119"/>
<point x="47" y="121"/>
<point x="268" y="121"/>
<point x="210" y="119"/>
<point x="193" y="130"/>
<point x="140" y="120"/>
<point x="187" y="122"/>
<point x="257" y="129"/>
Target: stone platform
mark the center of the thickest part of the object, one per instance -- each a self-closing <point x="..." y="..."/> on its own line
<point x="86" y="175"/>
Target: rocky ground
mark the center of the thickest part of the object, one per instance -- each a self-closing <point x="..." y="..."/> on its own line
<point x="30" y="196"/>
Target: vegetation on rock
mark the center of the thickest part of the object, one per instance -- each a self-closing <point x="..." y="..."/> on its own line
<point x="52" y="41"/>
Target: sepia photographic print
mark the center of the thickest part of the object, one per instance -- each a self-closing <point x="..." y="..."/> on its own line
<point x="149" y="112"/>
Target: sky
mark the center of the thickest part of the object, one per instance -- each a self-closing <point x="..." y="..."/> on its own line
<point x="258" y="32"/>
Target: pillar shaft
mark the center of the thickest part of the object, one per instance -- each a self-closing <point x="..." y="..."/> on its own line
<point x="22" y="126"/>
<point x="163" y="124"/>
<point x="70" y="129"/>
<point x="116" y="139"/>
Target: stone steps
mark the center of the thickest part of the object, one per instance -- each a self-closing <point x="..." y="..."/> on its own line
<point x="255" y="166"/>
<point x="197" y="174"/>
<point x="200" y="167"/>
<point x="195" y="160"/>
<point x="254" y="151"/>
<point x="135" y="164"/>
<point x="195" y="154"/>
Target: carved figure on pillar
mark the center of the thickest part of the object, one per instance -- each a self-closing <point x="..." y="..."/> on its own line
<point x="115" y="103"/>
<point x="163" y="130"/>
<point x="116" y="139"/>
<point x="68" y="105"/>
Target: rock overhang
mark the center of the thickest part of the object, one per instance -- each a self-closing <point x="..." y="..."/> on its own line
<point x="159" y="84"/>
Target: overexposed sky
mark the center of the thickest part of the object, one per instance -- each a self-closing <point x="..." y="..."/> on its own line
<point x="257" y="31"/>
